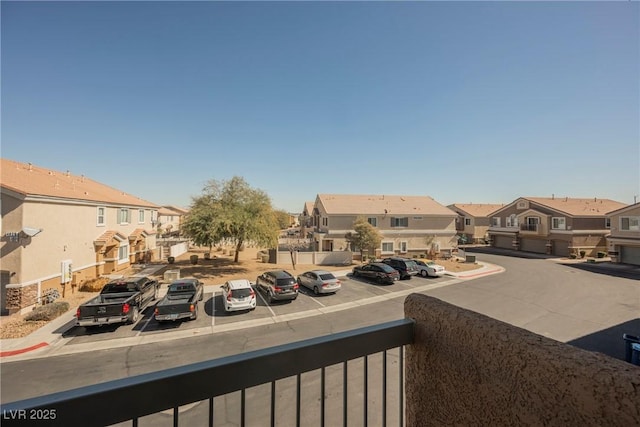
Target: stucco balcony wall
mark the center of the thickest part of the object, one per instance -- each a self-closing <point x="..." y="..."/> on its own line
<point x="465" y="368"/>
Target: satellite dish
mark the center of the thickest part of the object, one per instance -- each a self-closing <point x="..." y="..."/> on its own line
<point x="31" y="231"/>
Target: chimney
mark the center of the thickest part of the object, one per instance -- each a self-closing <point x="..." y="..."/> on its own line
<point x="30" y="166"/>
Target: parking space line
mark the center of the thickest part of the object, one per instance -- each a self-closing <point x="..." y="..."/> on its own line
<point x="266" y="303"/>
<point x="321" y="304"/>
<point x="213" y="309"/>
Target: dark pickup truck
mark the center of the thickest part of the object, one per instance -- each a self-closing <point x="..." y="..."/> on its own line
<point x="120" y="301"/>
<point x="181" y="301"/>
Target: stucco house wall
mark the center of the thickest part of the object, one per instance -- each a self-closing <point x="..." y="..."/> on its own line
<point x="465" y="368"/>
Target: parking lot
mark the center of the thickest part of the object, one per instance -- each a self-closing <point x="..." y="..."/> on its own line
<point x="213" y="318"/>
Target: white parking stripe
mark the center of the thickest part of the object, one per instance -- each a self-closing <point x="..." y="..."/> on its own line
<point x="321" y="304"/>
<point x="266" y="303"/>
<point x="213" y="309"/>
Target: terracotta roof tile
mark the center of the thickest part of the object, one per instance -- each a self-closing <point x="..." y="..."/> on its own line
<point x="32" y="180"/>
<point x="478" y="209"/>
<point x="578" y="206"/>
<point x="356" y="204"/>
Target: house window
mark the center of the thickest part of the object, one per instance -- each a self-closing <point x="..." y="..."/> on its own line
<point x="403" y="247"/>
<point x="373" y="221"/>
<point x="123" y="254"/>
<point x="141" y="216"/>
<point x="512" y="220"/>
<point x="417" y="217"/>
<point x="607" y="223"/>
<point x="630" y="223"/>
<point x="154" y="217"/>
<point x="102" y="215"/>
<point x="495" y="221"/>
<point x="123" y="216"/>
<point x="558" y="223"/>
<point x="467" y="221"/>
<point x="325" y="222"/>
<point x="400" y="222"/>
<point x="387" y="247"/>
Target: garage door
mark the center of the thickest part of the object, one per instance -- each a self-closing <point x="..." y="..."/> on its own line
<point x="533" y="245"/>
<point x="561" y="248"/>
<point x="630" y="255"/>
<point x="503" y="242"/>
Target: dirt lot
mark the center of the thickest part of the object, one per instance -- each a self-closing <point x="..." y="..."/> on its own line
<point x="216" y="270"/>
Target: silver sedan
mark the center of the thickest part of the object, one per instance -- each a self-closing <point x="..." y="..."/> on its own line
<point x="320" y="282"/>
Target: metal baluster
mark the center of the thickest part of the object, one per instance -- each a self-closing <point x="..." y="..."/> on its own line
<point x="401" y="391"/>
<point x="175" y="417"/>
<point x="344" y="394"/>
<point x="211" y="412"/>
<point x="273" y="403"/>
<point x="366" y="388"/>
<point x="384" y="388"/>
<point x="134" y="422"/>
<point x="322" y="388"/>
<point x="242" y="407"/>
<point x="298" y="400"/>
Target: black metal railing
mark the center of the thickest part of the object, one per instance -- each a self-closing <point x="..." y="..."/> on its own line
<point x="130" y="399"/>
<point x="529" y="227"/>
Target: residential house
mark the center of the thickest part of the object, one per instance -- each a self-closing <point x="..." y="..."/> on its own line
<point x="409" y="225"/>
<point x="306" y="219"/>
<point x="553" y="225"/>
<point x="170" y="220"/>
<point x="472" y="223"/>
<point x="624" y="241"/>
<point x="60" y="229"/>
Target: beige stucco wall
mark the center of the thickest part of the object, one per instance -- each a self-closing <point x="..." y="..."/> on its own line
<point x="615" y="224"/>
<point x="467" y="369"/>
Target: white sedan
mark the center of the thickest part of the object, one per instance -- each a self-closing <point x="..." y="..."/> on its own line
<point x="320" y="282"/>
<point x="429" y="268"/>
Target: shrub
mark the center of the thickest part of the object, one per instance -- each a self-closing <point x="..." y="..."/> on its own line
<point x="601" y="254"/>
<point x="47" y="312"/>
<point x="93" y="285"/>
<point x="582" y="254"/>
<point x="573" y="256"/>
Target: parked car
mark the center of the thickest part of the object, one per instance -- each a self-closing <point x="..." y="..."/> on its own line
<point x="320" y="281"/>
<point x="180" y="301"/>
<point x="238" y="295"/>
<point x="277" y="285"/>
<point x="120" y="301"/>
<point x="429" y="268"/>
<point x="405" y="266"/>
<point x="378" y="272"/>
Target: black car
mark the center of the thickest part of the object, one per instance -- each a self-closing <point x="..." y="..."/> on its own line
<point x="277" y="285"/>
<point x="377" y="271"/>
<point x="405" y="266"/>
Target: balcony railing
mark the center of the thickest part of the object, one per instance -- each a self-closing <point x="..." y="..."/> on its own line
<point x="529" y="227"/>
<point x="130" y="399"/>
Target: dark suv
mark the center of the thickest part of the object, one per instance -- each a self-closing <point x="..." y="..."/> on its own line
<point x="406" y="267"/>
<point x="277" y="285"/>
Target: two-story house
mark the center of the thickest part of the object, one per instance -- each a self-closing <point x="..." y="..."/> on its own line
<point x="553" y="225"/>
<point x="170" y="220"/>
<point x="306" y="219"/>
<point x="472" y="223"/>
<point x="624" y="241"/>
<point x="59" y="229"/>
<point x="408" y="224"/>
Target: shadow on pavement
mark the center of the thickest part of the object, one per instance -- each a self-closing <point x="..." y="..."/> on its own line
<point x="607" y="268"/>
<point x="609" y="341"/>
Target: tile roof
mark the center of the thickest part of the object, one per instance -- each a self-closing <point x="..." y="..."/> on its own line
<point x="357" y="204"/>
<point x="107" y="238"/>
<point x="179" y="210"/>
<point x="578" y="206"/>
<point x="32" y="180"/>
<point x="478" y="209"/>
<point x="308" y="206"/>
<point x="629" y="208"/>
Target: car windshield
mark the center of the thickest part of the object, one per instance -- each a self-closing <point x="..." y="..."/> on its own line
<point x="284" y="282"/>
<point x="327" y="276"/>
<point x="386" y="268"/>
<point x="181" y="287"/>
<point x="114" y="288"/>
<point x="240" y="293"/>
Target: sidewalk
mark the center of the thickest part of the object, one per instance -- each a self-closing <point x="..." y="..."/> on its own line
<point x="51" y="335"/>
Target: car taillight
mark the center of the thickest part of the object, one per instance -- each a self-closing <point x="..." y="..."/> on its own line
<point x="192" y="308"/>
<point x="78" y="313"/>
<point x="252" y="293"/>
<point x="338" y="282"/>
<point x="324" y="285"/>
<point x="277" y="289"/>
<point x="296" y="286"/>
<point x="229" y="295"/>
<point x="156" y="311"/>
<point x="125" y="308"/>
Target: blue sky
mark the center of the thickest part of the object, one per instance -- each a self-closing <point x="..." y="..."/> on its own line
<point x="477" y="102"/>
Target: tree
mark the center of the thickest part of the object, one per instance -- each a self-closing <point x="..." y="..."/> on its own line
<point x="366" y="236"/>
<point x="283" y="219"/>
<point x="234" y="211"/>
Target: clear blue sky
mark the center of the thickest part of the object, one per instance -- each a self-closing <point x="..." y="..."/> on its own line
<point x="465" y="101"/>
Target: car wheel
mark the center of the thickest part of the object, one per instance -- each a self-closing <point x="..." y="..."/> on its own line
<point x="355" y="273"/>
<point x="134" y="315"/>
<point x="424" y="273"/>
<point x="315" y="290"/>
